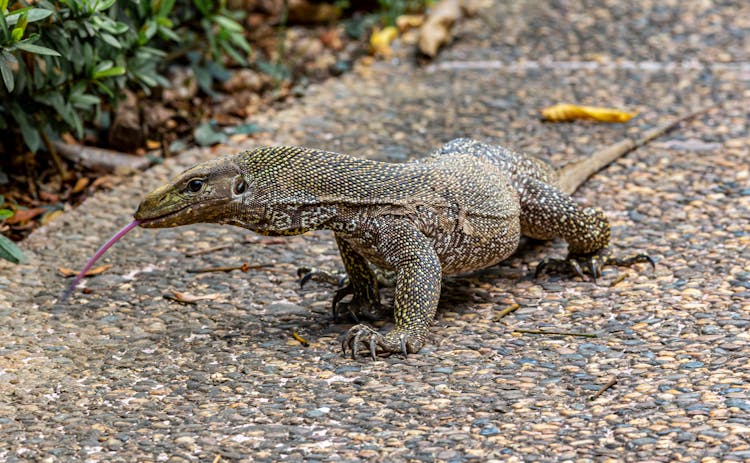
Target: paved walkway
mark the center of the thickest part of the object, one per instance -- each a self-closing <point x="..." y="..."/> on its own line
<point x="123" y="374"/>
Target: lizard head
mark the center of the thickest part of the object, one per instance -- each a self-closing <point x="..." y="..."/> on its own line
<point x="204" y="193"/>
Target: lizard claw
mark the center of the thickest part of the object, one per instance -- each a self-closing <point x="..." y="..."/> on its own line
<point x="340" y="294"/>
<point x="358" y="307"/>
<point x="361" y="334"/>
<point x="593" y="263"/>
<point x="306" y="274"/>
<point x="378" y="344"/>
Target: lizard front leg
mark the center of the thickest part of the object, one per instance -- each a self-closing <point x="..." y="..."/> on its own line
<point x="361" y="284"/>
<point x="418" y="280"/>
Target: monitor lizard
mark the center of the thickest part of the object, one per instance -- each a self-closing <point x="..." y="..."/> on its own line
<point x="462" y="208"/>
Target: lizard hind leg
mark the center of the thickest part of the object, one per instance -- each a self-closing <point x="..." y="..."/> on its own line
<point x="547" y="213"/>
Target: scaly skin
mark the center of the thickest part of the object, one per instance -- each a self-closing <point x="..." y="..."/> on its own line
<point x="462" y="208"/>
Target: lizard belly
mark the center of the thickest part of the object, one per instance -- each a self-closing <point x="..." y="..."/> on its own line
<point x="460" y="252"/>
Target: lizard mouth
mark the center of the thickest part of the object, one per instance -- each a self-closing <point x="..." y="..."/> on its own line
<point x="182" y="216"/>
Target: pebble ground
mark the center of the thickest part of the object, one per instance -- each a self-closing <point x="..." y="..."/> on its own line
<point x="124" y="374"/>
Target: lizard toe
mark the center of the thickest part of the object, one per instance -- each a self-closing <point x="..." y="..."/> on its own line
<point x="591" y="264"/>
<point x="306" y="274"/>
<point x="377" y="344"/>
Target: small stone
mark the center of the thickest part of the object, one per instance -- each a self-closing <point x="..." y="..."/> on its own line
<point x="185" y="441"/>
<point x="489" y="431"/>
<point x="113" y="444"/>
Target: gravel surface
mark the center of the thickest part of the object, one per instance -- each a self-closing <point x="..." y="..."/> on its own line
<point x="124" y="374"/>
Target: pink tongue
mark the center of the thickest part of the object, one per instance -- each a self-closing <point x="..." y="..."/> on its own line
<point x="96" y="257"/>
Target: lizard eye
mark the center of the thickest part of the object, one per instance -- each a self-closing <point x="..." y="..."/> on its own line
<point x="195" y="185"/>
<point x="240" y="186"/>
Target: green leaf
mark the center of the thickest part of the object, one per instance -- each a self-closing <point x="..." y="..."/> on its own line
<point x="205" y="6"/>
<point x="104" y="5"/>
<point x="4" y="27"/>
<point x="169" y="34"/>
<point x="17" y="34"/>
<point x="110" y="40"/>
<point x="148" y="30"/>
<point x="110" y="72"/>
<point x="36" y="49"/>
<point x="5" y="214"/>
<point x="204" y="79"/>
<point x="165" y="7"/>
<point x="9" y="250"/>
<point x="6" y="71"/>
<point x="205" y="135"/>
<point x="37" y="14"/>
<point x="229" y="24"/>
<point x="239" y="40"/>
<point x="110" y="25"/>
<point x="29" y="131"/>
<point x="103" y="66"/>
<point x="84" y="99"/>
<point x="166" y="22"/>
<point x="232" y="53"/>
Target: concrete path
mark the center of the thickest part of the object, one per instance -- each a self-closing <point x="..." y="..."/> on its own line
<point x="123" y="374"/>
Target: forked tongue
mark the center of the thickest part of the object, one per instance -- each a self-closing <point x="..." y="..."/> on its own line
<point x="96" y="257"/>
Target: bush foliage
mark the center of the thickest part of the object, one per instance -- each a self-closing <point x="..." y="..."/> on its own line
<point x="62" y="60"/>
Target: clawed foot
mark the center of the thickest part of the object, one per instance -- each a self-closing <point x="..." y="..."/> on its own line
<point x="589" y="263"/>
<point x="391" y="343"/>
<point x="358" y="308"/>
<point x="361" y="307"/>
<point x="306" y="274"/>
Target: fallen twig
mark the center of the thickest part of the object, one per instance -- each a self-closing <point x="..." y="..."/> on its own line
<point x="505" y="312"/>
<point x="244" y="268"/>
<point x="557" y="333"/>
<point x="612" y="381"/>
<point x="619" y="279"/>
<point x="208" y="250"/>
<point x="102" y="159"/>
<point x="264" y="241"/>
<point x="170" y="297"/>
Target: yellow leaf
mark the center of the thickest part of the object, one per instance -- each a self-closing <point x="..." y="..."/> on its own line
<point x="50" y="216"/>
<point x="568" y="112"/>
<point x="380" y="41"/>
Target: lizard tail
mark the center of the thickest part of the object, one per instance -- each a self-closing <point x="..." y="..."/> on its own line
<point x="574" y="174"/>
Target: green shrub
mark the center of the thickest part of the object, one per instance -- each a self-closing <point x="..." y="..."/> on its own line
<point x="62" y="61"/>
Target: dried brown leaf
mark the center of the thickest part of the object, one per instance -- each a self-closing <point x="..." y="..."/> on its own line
<point x="25" y="214"/>
<point x="409" y="21"/>
<point x="81" y="184"/>
<point x="332" y="39"/>
<point x="105" y="181"/>
<point x="191" y="298"/>
<point x="68" y="272"/>
<point x="436" y="30"/>
<point x="49" y="197"/>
